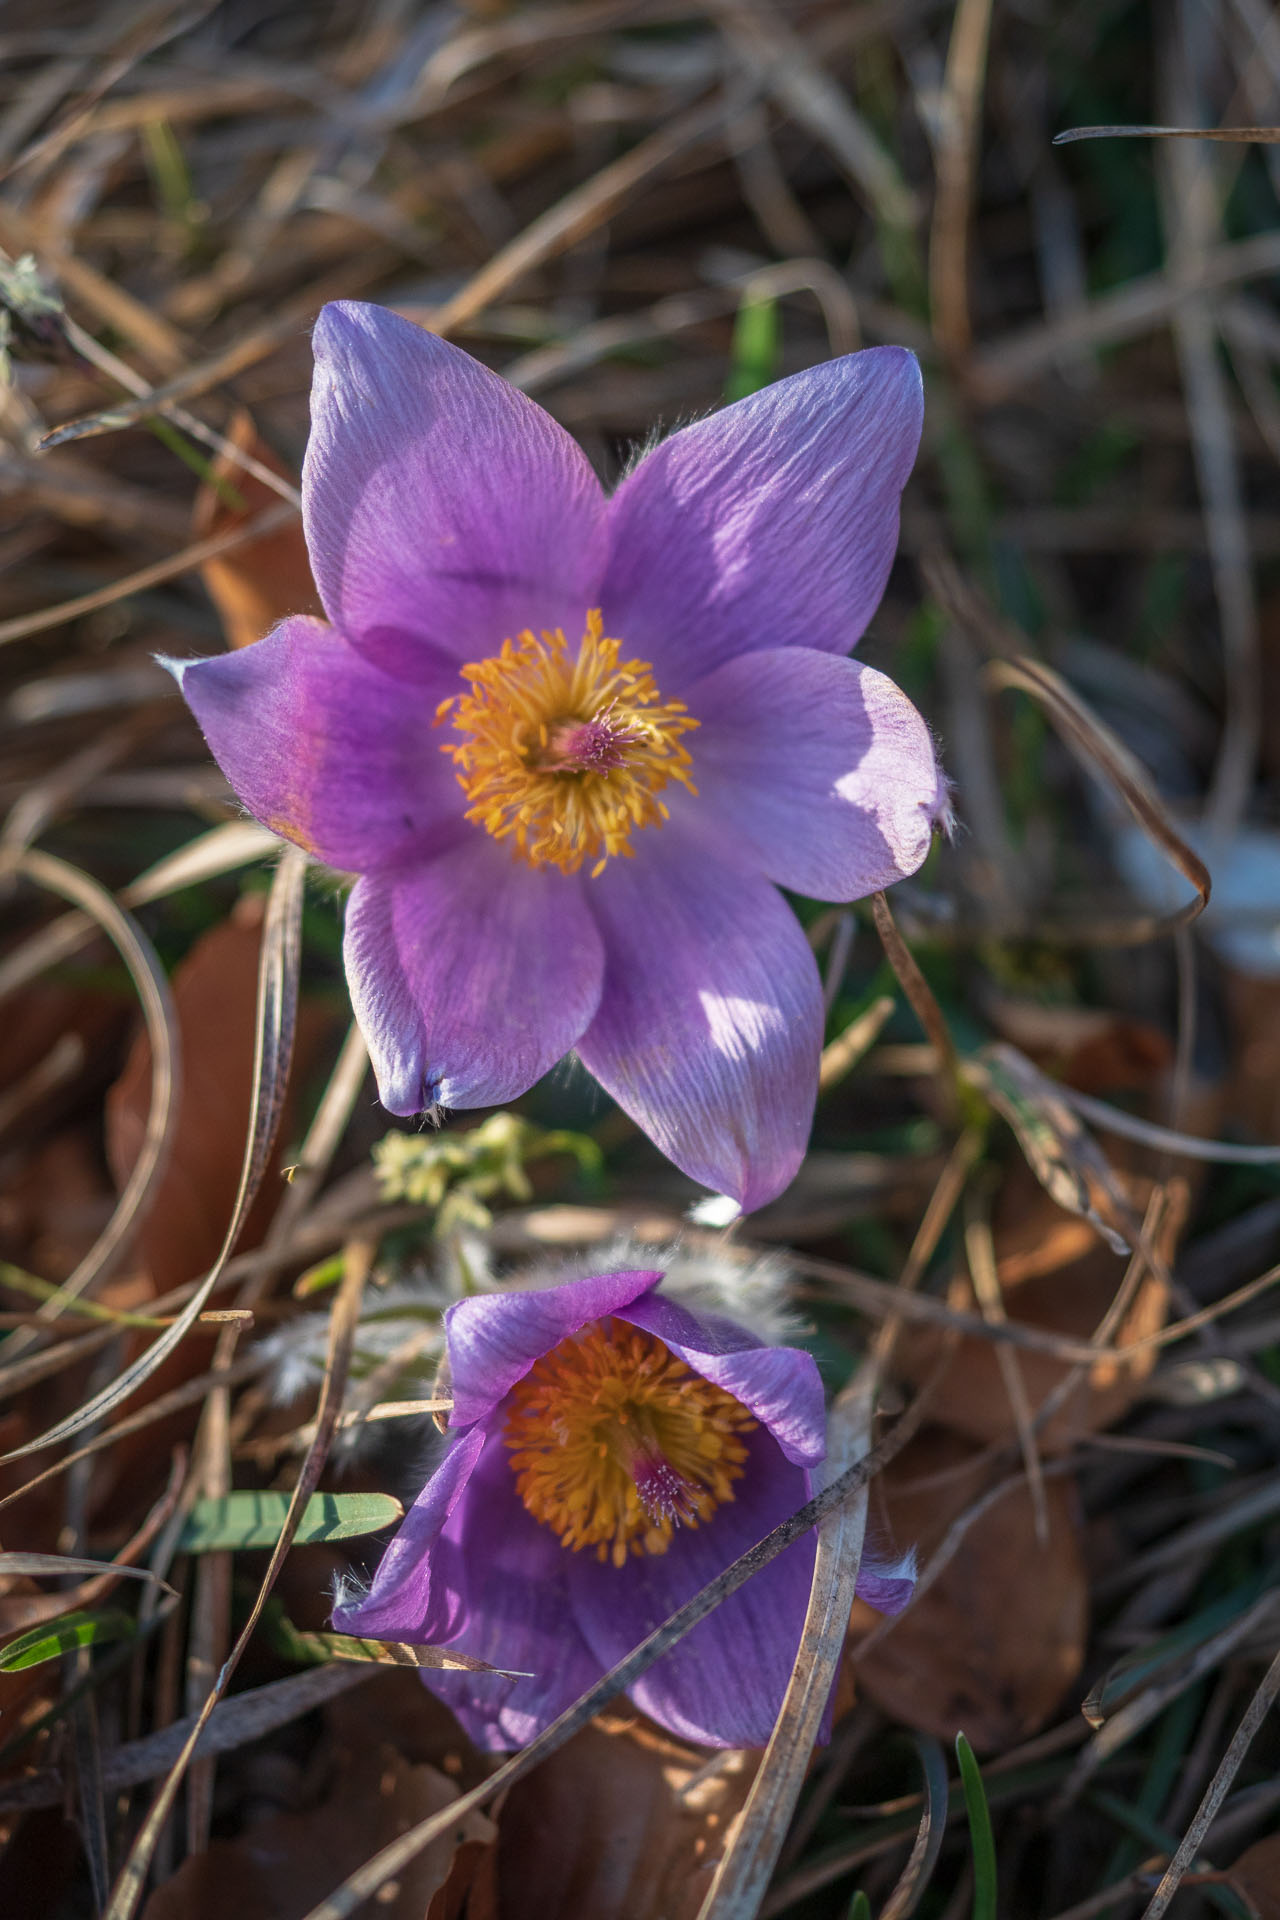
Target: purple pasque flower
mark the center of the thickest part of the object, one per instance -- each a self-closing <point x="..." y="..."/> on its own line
<point x="573" y="745"/>
<point x="612" y="1453"/>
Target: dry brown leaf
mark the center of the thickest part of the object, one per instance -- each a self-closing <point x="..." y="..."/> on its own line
<point x="281" y="1866"/>
<point x="622" y="1823"/>
<point x="258" y="584"/>
<point x="991" y="1647"/>
<point x="1256" y="1874"/>
<point x="1056" y="1275"/>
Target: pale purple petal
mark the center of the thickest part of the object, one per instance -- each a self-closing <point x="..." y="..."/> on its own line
<point x="773" y="523"/>
<point x="781" y="1386"/>
<point x="821" y="767"/>
<point x="710" y="1024"/>
<point x="723" y="1683"/>
<point x="324" y="749"/>
<point x="886" y="1585"/>
<point x="442" y="508"/>
<point x="470" y="976"/>
<point x="417" y="1592"/>
<point x="494" y="1338"/>
<point x="513" y="1611"/>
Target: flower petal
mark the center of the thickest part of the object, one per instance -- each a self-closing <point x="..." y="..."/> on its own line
<point x="325" y="749"/>
<point x="773" y="523"/>
<point x="416" y="1593"/>
<point x="886" y="1585"/>
<point x="821" y="767"/>
<point x="494" y="1338"/>
<point x="781" y="1386"/>
<point x="470" y="976"/>
<point x="442" y="508"/>
<point x="723" y="1683"/>
<point x="710" y="1024"/>
<point x="513" y="1612"/>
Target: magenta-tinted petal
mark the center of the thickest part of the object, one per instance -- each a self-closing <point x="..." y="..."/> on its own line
<point x="723" y="1683"/>
<point x="773" y="523"/>
<point x="821" y="767"/>
<point x="781" y="1386"/>
<point x="470" y="976"/>
<point x="494" y="1338"/>
<point x="442" y="508"/>
<point x="324" y="749"/>
<point x="417" y="1591"/>
<point x="513" y="1612"/>
<point x="710" y="1023"/>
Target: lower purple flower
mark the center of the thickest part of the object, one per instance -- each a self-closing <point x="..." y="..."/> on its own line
<point x="613" y="1453"/>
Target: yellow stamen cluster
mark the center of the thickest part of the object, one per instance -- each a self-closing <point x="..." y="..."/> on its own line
<point x="565" y="755"/>
<point x="614" y="1442"/>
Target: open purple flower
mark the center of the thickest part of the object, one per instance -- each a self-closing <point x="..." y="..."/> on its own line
<point x="613" y="1453"/>
<point x="573" y="745"/>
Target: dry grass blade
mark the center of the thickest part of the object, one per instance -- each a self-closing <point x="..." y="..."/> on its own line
<point x="1259" y="1707"/>
<point x="195" y="380"/>
<point x="376" y="1872"/>
<point x="842" y="1054"/>
<point x="960" y="111"/>
<point x="930" y="1834"/>
<point x="25" y="624"/>
<point x="1114" y="1120"/>
<point x="342" y="1335"/>
<point x="777" y="57"/>
<point x="915" y="986"/>
<point x="981" y="1254"/>
<point x="1099" y="748"/>
<point x="222" y="850"/>
<point x="1266" y="135"/>
<point x="70" y="883"/>
<point x="277" y="1006"/>
<point x="158" y="1409"/>
<point x="744" y="1871"/>
<point x="582" y="211"/>
<point x="233" y="1723"/>
<point x="51" y="1565"/>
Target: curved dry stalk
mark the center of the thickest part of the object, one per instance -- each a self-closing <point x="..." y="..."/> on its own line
<point x="343" y="1327"/>
<point x="748" y="1861"/>
<point x="148" y="976"/>
<point x="277" y="1007"/>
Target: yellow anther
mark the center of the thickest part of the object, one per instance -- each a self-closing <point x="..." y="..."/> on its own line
<point x="615" y="1442"/>
<point x="564" y="755"/>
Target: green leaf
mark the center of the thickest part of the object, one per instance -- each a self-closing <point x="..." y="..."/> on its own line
<point x="981" y="1838"/>
<point x="241" y="1520"/>
<point x="859" y="1906"/>
<point x="64" y="1636"/>
<point x="753" y="357"/>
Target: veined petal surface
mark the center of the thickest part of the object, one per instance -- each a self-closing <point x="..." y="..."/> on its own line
<point x="325" y="749"/>
<point x="470" y="975"/>
<point x="819" y="767"/>
<point x="443" y="510"/>
<point x="723" y="1683"/>
<point x="710" y="1023"/>
<point x="772" y="523"/>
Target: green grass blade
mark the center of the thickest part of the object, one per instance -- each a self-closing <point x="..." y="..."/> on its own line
<point x="981" y="1838"/>
<point x="859" y="1906"/>
<point x="243" y="1520"/>
<point x="64" y="1635"/>
<point x="753" y="357"/>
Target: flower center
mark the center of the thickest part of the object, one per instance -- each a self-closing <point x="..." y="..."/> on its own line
<point x="565" y="755"/>
<point x="615" y="1443"/>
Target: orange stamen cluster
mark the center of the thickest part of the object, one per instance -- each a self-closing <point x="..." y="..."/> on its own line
<point x="565" y="755"/>
<point x="615" y="1442"/>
